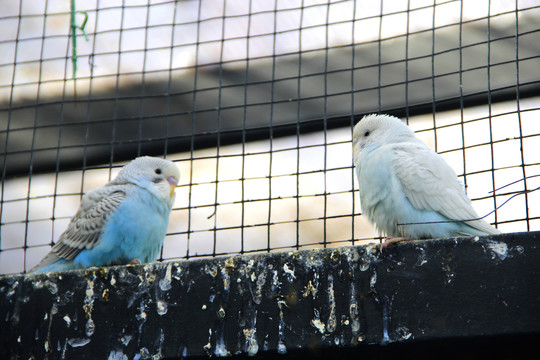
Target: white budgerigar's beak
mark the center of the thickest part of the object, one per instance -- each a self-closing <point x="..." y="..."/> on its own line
<point x="357" y="146"/>
<point x="173" y="182"/>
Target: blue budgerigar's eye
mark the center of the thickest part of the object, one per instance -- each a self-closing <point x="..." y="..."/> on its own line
<point x="158" y="171"/>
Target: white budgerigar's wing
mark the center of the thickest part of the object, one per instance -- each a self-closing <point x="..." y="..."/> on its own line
<point x="430" y="184"/>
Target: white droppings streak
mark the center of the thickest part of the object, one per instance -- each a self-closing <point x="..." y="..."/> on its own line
<point x="310" y="288"/>
<point x="251" y="341"/>
<point x="352" y="255"/>
<point x="89" y="291"/>
<point x="90" y="327"/>
<point x="353" y="311"/>
<point x="14" y="287"/>
<point x="289" y="271"/>
<point x="369" y="257"/>
<point x="117" y="355"/>
<point x="221" y="350"/>
<point x="161" y="307"/>
<point x="144" y="353"/>
<point x="159" y="354"/>
<point x="125" y="339"/>
<point x="261" y="280"/>
<point x="275" y="280"/>
<point x="52" y="287"/>
<point x="208" y="346"/>
<point x="89" y="307"/>
<point x="282" y="349"/>
<point x="332" y="322"/>
<point x="318" y="324"/>
<point x="226" y="281"/>
<point x="373" y="281"/>
<point x="211" y="270"/>
<point x="497" y="249"/>
<point x="78" y="342"/>
<point x="165" y="283"/>
<point x="386" y="309"/>
<point x="403" y="333"/>
<point x="422" y="258"/>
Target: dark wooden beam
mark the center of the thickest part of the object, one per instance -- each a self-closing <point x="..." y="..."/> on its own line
<point x="463" y="296"/>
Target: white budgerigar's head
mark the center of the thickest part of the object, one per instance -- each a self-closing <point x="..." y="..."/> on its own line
<point x="163" y="175"/>
<point x="380" y="129"/>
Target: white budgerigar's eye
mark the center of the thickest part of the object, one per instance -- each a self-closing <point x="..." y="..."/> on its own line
<point x="366" y="134"/>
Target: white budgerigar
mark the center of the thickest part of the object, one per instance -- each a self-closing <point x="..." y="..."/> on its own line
<point x="123" y="222"/>
<point x="406" y="189"/>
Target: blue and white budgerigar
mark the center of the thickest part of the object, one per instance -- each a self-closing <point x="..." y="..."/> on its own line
<point x="406" y="189"/>
<point x="123" y="222"/>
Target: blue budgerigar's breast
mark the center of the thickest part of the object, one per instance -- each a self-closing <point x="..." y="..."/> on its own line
<point x="134" y="231"/>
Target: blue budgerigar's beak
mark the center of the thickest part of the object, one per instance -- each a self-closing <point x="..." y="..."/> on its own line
<point x="173" y="182"/>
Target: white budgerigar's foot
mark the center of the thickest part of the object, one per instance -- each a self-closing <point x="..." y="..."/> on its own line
<point x="392" y="240"/>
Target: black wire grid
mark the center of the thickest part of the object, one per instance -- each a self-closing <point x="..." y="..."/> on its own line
<point x="255" y="102"/>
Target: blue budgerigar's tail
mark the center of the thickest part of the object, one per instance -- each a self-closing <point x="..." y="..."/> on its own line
<point x="59" y="265"/>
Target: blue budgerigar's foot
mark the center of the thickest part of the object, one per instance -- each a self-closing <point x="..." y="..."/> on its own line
<point x="392" y="240"/>
<point x="135" y="262"/>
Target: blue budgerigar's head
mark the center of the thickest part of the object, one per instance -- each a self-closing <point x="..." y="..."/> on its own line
<point x="161" y="176"/>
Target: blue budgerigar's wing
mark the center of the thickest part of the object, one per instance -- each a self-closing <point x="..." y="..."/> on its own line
<point x="85" y="228"/>
<point x="431" y="184"/>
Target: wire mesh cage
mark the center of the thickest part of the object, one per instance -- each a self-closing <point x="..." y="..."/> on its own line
<point x="255" y="103"/>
